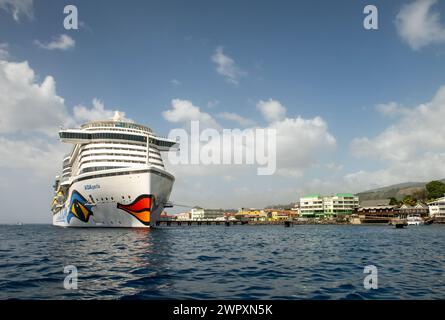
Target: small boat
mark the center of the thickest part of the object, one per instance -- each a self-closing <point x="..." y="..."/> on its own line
<point x="413" y="220"/>
<point x="399" y="223"/>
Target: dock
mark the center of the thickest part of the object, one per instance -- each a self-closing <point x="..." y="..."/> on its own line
<point x="286" y="223"/>
<point x="198" y="222"/>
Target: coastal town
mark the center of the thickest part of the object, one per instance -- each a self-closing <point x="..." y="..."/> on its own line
<point x="340" y="208"/>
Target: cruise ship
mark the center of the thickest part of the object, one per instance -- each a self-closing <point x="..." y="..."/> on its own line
<point x="113" y="176"/>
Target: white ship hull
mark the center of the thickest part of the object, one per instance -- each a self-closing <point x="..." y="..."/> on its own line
<point x="134" y="199"/>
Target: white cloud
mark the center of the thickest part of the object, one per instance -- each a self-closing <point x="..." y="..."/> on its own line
<point x="334" y="166"/>
<point x="175" y="82"/>
<point x="391" y="109"/>
<point x="62" y="42"/>
<point x="425" y="168"/>
<point x="243" y="122"/>
<point x="418" y="25"/>
<point x="30" y="106"/>
<point x="30" y="155"/>
<point x="300" y="142"/>
<point x="418" y="130"/>
<point x="212" y="104"/>
<point x="41" y="156"/>
<point x="301" y="145"/>
<point x="227" y="67"/>
<point x="412" y="148"/>
<point x="18" y="8"/>
<point x="4" y="51"/>
<point x="27" y="105"/>
<point x="271" y="110"/>
<point x="185" y="111"/>
<point x="97" y="112"/>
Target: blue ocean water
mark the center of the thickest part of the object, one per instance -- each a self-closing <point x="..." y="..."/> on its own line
<point x="219" y="262"/>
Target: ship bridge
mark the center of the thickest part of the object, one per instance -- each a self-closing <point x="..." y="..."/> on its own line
<point x="81" y="136"/>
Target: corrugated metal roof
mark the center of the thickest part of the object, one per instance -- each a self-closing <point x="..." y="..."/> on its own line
<point x="375" y="203"/>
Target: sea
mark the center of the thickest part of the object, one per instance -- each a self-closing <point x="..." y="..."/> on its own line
<point x="223" y="262"/>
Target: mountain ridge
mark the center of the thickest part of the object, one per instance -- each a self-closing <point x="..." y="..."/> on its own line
<point x="398" y="191"/>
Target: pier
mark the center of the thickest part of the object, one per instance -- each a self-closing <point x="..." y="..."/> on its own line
<point x="286" y="223"/>
<point x="198" y="222"/>
<point x="289" y="223"/>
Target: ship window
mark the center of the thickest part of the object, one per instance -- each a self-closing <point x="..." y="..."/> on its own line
<point x="119" y="174"/>
<point x="112" y="198"/>
<point x="102" y="199"/>
<point x="106" y="199"/>
<point x="123" y="197"/>
<point x="129" y="197"/>
<point x="119" y="136"/>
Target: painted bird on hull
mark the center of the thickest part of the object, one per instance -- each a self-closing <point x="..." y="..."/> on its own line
<point x="139" y="208"/>
<point x="79" y="208"/>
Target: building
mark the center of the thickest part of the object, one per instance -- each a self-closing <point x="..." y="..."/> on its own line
<point x="167" y="217"/>
<point x="376" y="211"/>
<point x="229" y="216"/>
<point x="251" y="214"/>
<point x="340" y="203"/>
<point x="379" y="211"/>
<point x="296" y="209"/>
<point x="419" y="209"/>
<point x="311" y="206"/>
<point x="334" y="205"/>
<point x="184" y="216"/>
<point x="280" y="215"/>
<point x="437" y="208"/>
<point x="375" y="203"/>
<point x="198" y="213"/>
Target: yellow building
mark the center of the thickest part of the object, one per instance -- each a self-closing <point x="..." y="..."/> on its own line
<point x="251" y="214"/>
<point x="280" y="215"/>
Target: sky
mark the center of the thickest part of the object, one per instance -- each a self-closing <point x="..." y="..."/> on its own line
<point x="353" y="108"/>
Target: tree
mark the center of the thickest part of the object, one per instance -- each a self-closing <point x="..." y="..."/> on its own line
<point x="420" y="195"/>
<point x="393" y="202"/>
<point x="435" y="189"/>
<point x="409" y="200"/>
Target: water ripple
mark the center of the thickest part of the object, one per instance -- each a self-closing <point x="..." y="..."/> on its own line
<point x="215" y="262"/>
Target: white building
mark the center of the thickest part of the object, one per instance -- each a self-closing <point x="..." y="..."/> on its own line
<point x="340" y="203"/>
<point x="437" y="208"/>
<point x="198" y="213"/>
<point x="183" y="216"/>
<point x="311" y="205"/>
